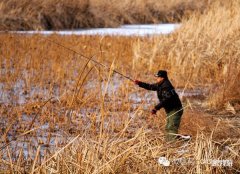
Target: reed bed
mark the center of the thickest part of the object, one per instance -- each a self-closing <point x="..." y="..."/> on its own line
<point x="203" y="51"/>
<point x="75" y="14"/>
<point x="61" y="113"/>
<point x="60" y="95"/>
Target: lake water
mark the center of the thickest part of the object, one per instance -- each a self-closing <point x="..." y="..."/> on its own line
<point x="124" y="30"/>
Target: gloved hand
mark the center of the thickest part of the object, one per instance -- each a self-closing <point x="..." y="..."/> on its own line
<point x="137" y="82"/>
<point x="154" y="111"/>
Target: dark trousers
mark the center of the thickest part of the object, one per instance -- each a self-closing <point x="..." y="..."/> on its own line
<point x="173" y="123"/>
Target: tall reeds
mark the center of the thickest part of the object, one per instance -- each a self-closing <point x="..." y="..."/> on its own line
<point x="203" y="51"/>
<point x="99" y="122"/>
<point x="75" y="14"/>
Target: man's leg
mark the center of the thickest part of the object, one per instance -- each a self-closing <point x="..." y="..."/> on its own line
<point x="173" y="123"/>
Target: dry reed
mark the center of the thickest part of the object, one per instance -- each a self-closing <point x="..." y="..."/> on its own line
<point x="203" y="52"/>
<point x="98" y="122"/>
<point x="75" y="14"/>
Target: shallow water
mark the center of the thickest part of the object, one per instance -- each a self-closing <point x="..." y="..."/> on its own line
<point x="18" y="92"/>
<point x="124" y="30"/>
<point x="51" y="137"/>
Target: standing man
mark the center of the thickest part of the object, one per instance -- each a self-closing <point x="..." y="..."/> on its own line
<point x="168" y="99"/>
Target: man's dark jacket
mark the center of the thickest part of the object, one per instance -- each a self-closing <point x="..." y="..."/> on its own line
<point x="168" y="98"/>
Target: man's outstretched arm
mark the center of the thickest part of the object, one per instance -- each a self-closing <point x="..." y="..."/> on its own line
<point x="152" y="87"/>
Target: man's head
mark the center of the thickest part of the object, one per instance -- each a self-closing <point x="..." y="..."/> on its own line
<point x="161" y="75"/>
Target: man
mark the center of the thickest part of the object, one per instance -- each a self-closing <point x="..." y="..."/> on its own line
<point x="168" y="99"/>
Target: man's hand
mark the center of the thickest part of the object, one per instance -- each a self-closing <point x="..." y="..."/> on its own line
<point x="154" y="111"/>
<point x="137" y="82"/>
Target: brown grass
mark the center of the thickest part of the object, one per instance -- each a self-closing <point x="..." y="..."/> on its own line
<point x="92" y="124"/>
<point x="75" y="14"/>
<point x="128" y="143"/>
<point x="202" y="52"/>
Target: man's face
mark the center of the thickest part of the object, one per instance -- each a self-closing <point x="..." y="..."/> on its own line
<point x="159" y="79"/>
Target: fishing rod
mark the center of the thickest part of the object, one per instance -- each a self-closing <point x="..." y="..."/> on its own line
<point x="88" y="58"/>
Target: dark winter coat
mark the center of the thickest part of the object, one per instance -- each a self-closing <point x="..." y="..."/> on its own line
<point x="168" y="98"/>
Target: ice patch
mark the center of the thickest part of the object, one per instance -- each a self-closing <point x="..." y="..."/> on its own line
<point x="124" y="30"/>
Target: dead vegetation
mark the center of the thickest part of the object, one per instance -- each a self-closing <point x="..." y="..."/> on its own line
<point x="202" y="51"/>
<point x="103" y="109"/>
<point x="75" y="14"/>
<point x="85" y="119"/>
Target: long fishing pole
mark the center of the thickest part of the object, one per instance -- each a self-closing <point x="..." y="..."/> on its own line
<point x="88" y="58"/>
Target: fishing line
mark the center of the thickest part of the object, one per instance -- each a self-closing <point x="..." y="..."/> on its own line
<point x="88" y="58"/>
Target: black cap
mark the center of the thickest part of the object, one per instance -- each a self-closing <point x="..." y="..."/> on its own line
<point x="161" y="73"/>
